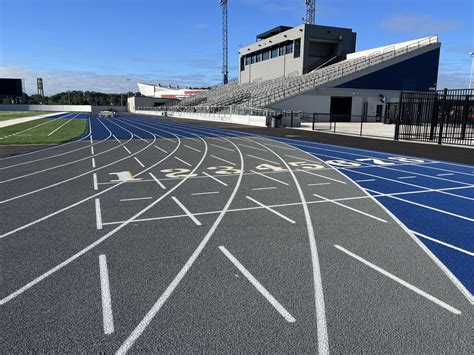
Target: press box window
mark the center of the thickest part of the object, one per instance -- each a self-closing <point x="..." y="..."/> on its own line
<point x="297" y="48"/>
<point x="274" y="52"/>
<point x="289" y="48"/>
<point x="266" y="54"/>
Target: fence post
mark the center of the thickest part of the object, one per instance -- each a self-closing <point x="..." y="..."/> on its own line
<point x="361" y="123"/>
<point x="399" y="117"/>
<point x="434" y="115"/>
<point x="334" y="123"/>
<point x="291" y="118"/>
<point x="443" y="115"/>
<point x="464" y="117"/>
<point x="314" y="119"/>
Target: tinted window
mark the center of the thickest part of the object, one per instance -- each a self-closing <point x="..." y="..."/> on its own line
<point x="274" y="52"/>
<point x="297" y="47"/>
<point x="259" y="57"/>
<point x="242" y="63"/>
<point x="266" y="54"/>
<point x="289" y="48"/>
<point x="282" y="49"/>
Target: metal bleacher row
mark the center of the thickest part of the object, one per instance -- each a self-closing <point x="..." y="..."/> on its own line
<point x="260" y="94"/>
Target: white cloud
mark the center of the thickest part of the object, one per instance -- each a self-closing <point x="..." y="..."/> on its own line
<point x="417" y="24"/>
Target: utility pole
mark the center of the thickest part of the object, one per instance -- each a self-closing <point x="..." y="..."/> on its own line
<point x="310" y="12"/>
<point x="225" y="47"/>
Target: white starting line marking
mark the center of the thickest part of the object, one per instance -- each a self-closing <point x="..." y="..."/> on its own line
<point x="164" y="151"/>
<point x="260" y="288"/>
<point x="92" y="150"/>
<point x="94" y="180"/>
<point x="264" y="188"/>
<point x="192" y="148"/>
<point x="271" y="210"/>
<point x="249" y="146"/>
<point x="321" y="176"/>
<point x="185" y="210"/>
<point x="212" y="177"/>
<point x="205" y="193"/>
<point x="268" y="161"/>
<point x="400" y="281"/>
<point x="182" y="161"/>
<point x="98" y="214"/>
<point x="218" y="146"/>
<point x="470" y="253"/>
<point x="225" y="161"/>
<point x="364" y="180"/>
<point x="320" y="183"/>
<point x="135" y="199"/>
<point x="447" y="174"/>
<point x="157" y="181"/>
<point x="128" y="151"/>
<point x="407" y="177"/>
<point x="351" y="208"/>
<point x="93" y="162"/>
<point x="268" y="177"/>
<point x="107" y="315"/>
<point x="139" y="162"/>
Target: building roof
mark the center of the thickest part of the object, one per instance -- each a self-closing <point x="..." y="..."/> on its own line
<point x="273" y="31"/>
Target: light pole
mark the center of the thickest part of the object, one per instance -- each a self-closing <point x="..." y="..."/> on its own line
<point x="472" y="68"/>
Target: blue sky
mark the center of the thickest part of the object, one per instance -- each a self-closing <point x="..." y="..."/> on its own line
<point x="99" y="44"/>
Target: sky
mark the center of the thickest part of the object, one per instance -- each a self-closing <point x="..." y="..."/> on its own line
<point x="110" y="45"/>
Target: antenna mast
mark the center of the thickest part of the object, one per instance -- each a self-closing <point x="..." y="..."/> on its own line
<point x="310" y="11"/>
<point x="225" y="47"/>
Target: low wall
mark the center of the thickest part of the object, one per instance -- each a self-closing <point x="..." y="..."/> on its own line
<point x="61" y="108"/>
<point x="219" y="117"/>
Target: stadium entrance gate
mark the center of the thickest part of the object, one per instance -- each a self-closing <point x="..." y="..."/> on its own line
<point x="445" y="116"/>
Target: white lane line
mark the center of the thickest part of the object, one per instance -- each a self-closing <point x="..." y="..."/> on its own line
<point x="107" y="315"/>
<point x="278" y="146"/>
<point x="128" y="150"/>
<point x="94" y="181"/>
<point x="400" y="281"/>
<point x="271" y="210"/>
<point x="225" y="161"/>
<point x="205" y="193"/>
<point x="65" y="123"/>
<point x="139" y="162"/>
<point x="268" y="161"/>
<point x="218" y="146"/>
<point x="320" y="184"/>
<point x="157" y="181"/>
<point x="135" y="199"/>
<point x="264" y="188"/>
<point x="92" y="150"/>
<point x="447" y="174"/>
<point x="351" y="208"/>
<point x="98" y="214"/>
<point x="193" y="139"/>
<point x="93" y="162"/>
<point x="260" y="288"/>
<point x="116" y="139"/>
<point x="407" y="177"/>
<point x="185" y="210"/>
<point x="321" y="176"/>
<point x="161" y="149"/>
<point x="192" y="148"/>
<point x="213" y="178"/>
<point x="303" y="159"/>
<point x="268" y="177"/>
<point x="364" y="180"/>
<point x="249" y="146"/>
<point x="182" y="161"/>
<point x="470" y="253"/>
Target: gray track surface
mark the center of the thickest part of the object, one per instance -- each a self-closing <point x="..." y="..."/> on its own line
<point x="50" y="276"/>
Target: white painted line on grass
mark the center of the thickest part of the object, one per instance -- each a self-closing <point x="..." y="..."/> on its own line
<point x="128" y="151"/>
<point x="407" y="177"/>
<point x="351" y="208"/>
<point x="249" y="146"/>
<point x="470" y="253"/>
<point x="218" y="146"/>
<point x="205" y="193"/>
<point x="400" y="281"/>
<point x="320" y="184"/>
<point x="364" y="180"/>
<point x="93" y="162"/>
<point x="185" y="210"/>
<point x="268" y="161"/>
<point x="161" y="149"/>
<point x="447" y="174"/>
<point x="65" y="123"/>
<point x="271" y="210"/>
<point x="139" y="162"/>
<point x="260" y="288"/>
<point x="135" y="199"/>
<point x="321" y="176"/>
<point x="192" y="148"/>
<point x="225" y="161"/>
<point x="212" y="177"/>
<point x="182" y="161"/>
<point x="157" y="181"/>
<point x="94" y="181"/>
<point x="98" y="214"/>
<point x="268" y="177"/>
<point x="107" y="315"/>
<point x="264" y="188"/>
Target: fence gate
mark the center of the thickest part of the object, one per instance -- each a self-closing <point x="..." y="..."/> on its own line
<point x="445" y="116"/>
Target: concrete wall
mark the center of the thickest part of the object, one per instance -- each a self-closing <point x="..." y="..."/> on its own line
<point x="61" y="108"/>
<point x="135" y="102"/>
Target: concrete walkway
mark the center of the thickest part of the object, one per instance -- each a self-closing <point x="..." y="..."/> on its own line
<point x="369" y="129"/>
<point x="27" y="119"/>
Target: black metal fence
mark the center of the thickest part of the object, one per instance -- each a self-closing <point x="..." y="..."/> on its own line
<point x="444" y="117"/>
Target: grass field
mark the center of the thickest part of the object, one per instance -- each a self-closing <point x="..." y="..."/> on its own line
<point x="43" y="131"/>
<point x="9" y="115"/>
